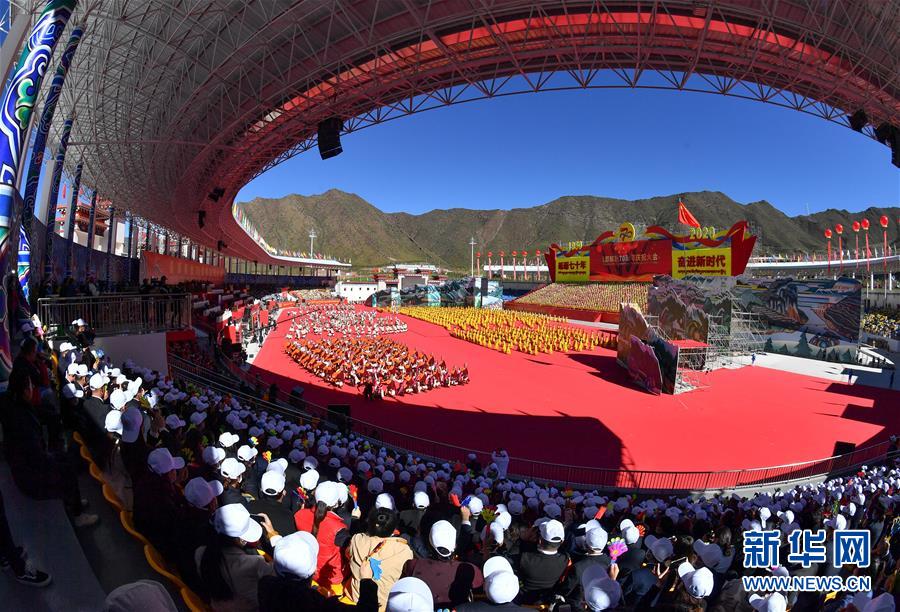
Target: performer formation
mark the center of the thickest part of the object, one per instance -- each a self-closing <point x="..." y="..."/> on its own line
<point x="379" y="367"/>
<point x="342" y="319"/>
<point x="506" y="331"/>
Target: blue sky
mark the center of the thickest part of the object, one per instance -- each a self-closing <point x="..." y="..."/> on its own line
<point x="526" y="150"/>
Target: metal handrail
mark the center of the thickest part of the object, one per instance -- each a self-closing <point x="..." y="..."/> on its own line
<point x="118" y="313"/>
<point x="578" y="476"/>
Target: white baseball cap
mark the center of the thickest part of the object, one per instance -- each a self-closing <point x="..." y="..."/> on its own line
<point x="173" y="422"/>
<point x="837" y="522"/>
<point x="213" y="455"/>
<point x="661" y="548"/>
<point x="132" y="422"/>
<point x="232" y="468"/>
<point x="443" y="538"/>
<point x="200" y="493"/>
<point x="698" y="582"/>
<point x="296" y="554"/>
<point x="328" y="493"/>
<point x="114" y="422"/>
<point x="272" y="482"/>
<point x="500" y="582"/>
<point x="410" y="594"/>
<point x="421" y="500"/>
<point x="774" y="602"/>
<point x="97" y="381"/>
<point x="600" y="591"/>
<point x="596" y="538"/>
<point x="552" y="531"/>
<point x="234" y="521"/>
<point x="309" y="480"/>
<point x="228" y="439"/>
<point x="161" y="461"/>
<point x="386" y="501"/>
<point x="247" y="453"/>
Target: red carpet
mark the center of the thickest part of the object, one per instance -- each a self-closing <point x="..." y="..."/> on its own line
<point x="580" y="409"/>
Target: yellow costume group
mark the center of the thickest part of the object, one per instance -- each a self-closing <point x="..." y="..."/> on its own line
<point x="506" y="331"/>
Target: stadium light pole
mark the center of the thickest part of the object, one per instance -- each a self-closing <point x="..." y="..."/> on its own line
<point x="312" y="236"/>
<point x="472" y="244"/>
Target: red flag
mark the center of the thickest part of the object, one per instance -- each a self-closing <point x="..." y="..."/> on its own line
<point x="64" y="191"/>
<point x="685" y="216"/>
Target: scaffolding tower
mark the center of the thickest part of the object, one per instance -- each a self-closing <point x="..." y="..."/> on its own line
<point x="747" y="331"/>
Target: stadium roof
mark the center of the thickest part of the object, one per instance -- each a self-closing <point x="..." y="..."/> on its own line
<point x="175" y="98"/>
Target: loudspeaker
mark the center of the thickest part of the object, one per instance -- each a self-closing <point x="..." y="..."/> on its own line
<point x="201" y="218"/>
<point x="339" y="415"/>
<point x="842" y="448"/>
<point x="330" y="137"/>
<point x="858" y="120"/>
<point x="484" y="286"/>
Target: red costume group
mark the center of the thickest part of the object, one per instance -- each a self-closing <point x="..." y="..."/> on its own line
<point x="381" y="367"/>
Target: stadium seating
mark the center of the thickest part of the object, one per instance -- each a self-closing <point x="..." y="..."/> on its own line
<point x="361" y="471"/>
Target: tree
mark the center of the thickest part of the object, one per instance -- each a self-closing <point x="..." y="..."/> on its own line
<point x="768" y="346"/>
<point x="803" y="349"/>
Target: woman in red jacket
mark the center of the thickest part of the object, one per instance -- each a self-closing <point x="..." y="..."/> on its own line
<point x="330" y="531"/>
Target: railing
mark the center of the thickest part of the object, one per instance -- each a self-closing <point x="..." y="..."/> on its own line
<point x="118" y="313"/>
<point x="579" y="477"/>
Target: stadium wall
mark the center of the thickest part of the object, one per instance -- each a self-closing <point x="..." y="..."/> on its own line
<point x="150" y="347"/>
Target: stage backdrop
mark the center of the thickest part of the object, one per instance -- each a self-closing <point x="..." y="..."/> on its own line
<point x="177" y="270"/>
<point x="651" y="361"/>
<point x="684" y="306"/>
<point x="617" y="256"/>
<point x="817" y="318"/>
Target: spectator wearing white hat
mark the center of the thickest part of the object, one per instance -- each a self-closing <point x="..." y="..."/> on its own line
<point x="228" y="566"/>
<point x="588" y="546"/>
<point x="290" y="588"/>
<point x="274" y="501"/>
<point x="541" y="564"/>
<point x="231" y="471"/>
<point x="451" y="581"/>
<point x="501" y="586"/>
<point x="411" y="518"/>
<point x="158" y="502"/>
<point x="194" y="529"/>
<point x="330" y="531"/>
<point x="377" y="554"/>
<point x="93" y="419"/>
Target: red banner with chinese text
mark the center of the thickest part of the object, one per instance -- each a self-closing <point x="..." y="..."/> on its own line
<point x="639" y="260"/>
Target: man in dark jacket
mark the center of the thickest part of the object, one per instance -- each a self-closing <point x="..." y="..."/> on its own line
<point x="541" y="569"/>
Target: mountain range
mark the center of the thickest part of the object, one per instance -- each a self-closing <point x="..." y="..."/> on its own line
<point x="349" y="227"/>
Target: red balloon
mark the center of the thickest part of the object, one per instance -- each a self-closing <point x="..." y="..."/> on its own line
<point x="538" y="252"/>
<point x="514" y="253"/>
<point x="502" y="253"/>
<point x="828" y="234"/>
<point x="490" y="253"/>
<point x="865" y="224"/>
<point x="839" y="229"/>
<point x="524" y="253"/>
<point x="478" y="254"/>
<point x="855" y="226"/>
<point x="883" y="220"/>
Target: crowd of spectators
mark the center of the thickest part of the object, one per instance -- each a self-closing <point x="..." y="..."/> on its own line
<point x="602" y="297"/>
<point x="882" y="323"/>
<point x="259" y="511"/>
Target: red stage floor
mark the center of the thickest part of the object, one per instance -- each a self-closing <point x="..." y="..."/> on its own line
<point x="581" y="409"/>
